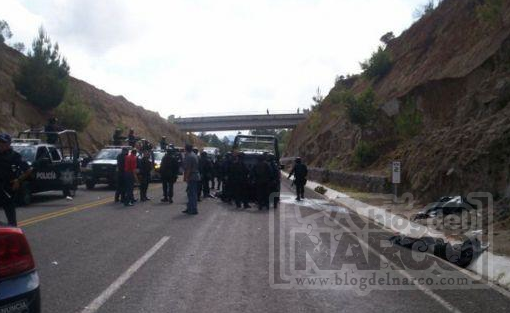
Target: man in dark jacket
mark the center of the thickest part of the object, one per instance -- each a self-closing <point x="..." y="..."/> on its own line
<point x="261" y="175"/>
<point x="238" y="180"/>
<point x="117" y="137"/>
<point x="13" y="171"/>
<point x="132" y="139"/>
<point x="169" y="172"/>
<point x="206" y="172"/>
<point x="52" y="129"/>
<point x="218" y="172"/>
<point x="163" y="144"/>
<point x="120" y="190"/>
<point x="146" y="167"/>
<point x="299" y="171"/>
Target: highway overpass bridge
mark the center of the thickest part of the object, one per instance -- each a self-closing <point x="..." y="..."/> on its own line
<point x="239" y="122"/>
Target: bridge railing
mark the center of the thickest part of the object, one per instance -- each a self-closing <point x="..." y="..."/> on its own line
<point x="264" y="117"/>
<point x="242" y="113"/>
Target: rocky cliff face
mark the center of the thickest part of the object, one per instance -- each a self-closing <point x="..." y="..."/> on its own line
<point x="109" y="111"/>
<point x="455" y="66"/>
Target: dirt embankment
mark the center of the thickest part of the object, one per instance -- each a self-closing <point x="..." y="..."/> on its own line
<point x="108" y="111"/>
<point x="455" y="67"/>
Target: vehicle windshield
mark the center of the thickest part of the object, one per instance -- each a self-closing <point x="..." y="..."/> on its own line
<point x="108" y="154"/>
<point x="257" y="145"/>
<point x="27" y="152"/>
<point x="158" y="156"/>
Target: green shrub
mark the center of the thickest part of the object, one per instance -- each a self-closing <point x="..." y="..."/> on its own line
<point x="378" y="65"/>
<point x="490" y="11"/>
<point x="333" y="164"/>
<point x="43" y="76"/>
<point x="361" y="110"/>
<point x="409" y="122"/>
<point x="73" y="113"/>
<point x="314" y="120"/>
<point x="5" y="31"/>
<point x="365" y="154"/>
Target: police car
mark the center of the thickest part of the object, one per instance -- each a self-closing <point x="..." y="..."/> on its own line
<point x="55" y="166"/>
<point x="103" y="168"/>
<point x="19" y="281"/>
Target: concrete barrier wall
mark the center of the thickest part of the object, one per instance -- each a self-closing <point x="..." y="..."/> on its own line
<point x="358" y="181"/>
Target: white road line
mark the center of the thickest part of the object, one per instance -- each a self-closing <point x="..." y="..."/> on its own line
<point x="422" y="288"/>
<point x="99" y="301"/>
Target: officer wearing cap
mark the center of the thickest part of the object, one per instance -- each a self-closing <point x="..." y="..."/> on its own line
<point x="13" y="171"/>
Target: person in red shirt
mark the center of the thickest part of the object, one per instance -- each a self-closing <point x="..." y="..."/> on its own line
<point x="130" y="177"/>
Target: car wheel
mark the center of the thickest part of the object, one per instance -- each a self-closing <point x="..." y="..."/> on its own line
<point x="90" y="184"/>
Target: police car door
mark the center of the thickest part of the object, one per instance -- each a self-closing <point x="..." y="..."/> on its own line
<point x="44" y="171"/>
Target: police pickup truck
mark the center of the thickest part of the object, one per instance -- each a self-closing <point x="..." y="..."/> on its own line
<point x="253" y="146"/>
<point x="55" y="166"/>
<point x="103" y="168"/>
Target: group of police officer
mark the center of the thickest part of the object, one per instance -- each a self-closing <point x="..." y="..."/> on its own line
<point x="235" y="181"/>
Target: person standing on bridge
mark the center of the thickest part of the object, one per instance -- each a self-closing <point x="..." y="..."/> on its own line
<point x="192" y="178"/>
<point x="299" y="171"/>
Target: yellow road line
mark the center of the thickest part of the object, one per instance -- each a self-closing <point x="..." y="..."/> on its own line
<point x="47" y="216"/>
<point x="78" y="208"/>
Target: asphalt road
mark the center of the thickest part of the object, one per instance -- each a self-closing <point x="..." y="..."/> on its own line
<point x="97" y="256"/>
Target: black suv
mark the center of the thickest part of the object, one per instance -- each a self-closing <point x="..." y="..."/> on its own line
<point x="103" y="168"/>
<point x="56" y="167"/>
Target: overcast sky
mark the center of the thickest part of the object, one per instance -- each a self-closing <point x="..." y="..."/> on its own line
<point x="197" y="57"/>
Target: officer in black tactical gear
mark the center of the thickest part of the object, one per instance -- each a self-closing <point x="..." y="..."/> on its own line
<point x="169" y="173"/>
<point x="13" y="171"/>
<point x="132" y="138"/>
<point x="206" y="173"/>
<point x="163" y="144"/>
<point x="225" y="169"/>
<point x="120" y="192"/>
<point x="261" y="175"/>
<point x="274" y="184"/>
<point x="117" y="137"/>
<point x="238" y="181"/>
<point x="146" y="167"/>
<point x="299" y="171"/>
<point x="52" y="128"/>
